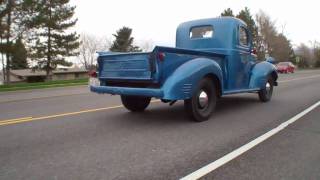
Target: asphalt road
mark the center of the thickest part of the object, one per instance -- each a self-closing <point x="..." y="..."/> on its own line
<point x="69" y="133"/>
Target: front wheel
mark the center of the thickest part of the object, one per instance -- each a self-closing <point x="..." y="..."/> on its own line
<point x="265" y="93"/>
<point x="202" y="104"/>
<point x="135" y="103"/>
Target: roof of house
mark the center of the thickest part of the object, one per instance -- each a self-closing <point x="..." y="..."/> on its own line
<point x="30" y="72"/>
<point x="27" y="72"/>
<point x="70" y="70"/>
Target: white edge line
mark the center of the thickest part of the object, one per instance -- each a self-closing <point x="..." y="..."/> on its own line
<point x="237" y="152"/>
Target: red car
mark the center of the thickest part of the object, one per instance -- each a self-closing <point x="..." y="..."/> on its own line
<point x="285" y="67"/>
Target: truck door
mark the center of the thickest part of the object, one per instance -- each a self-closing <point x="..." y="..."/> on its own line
<point x="244" y="59"/>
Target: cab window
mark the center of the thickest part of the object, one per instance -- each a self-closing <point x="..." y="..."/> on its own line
<point x="201" y="32"/>
<point x="244" y="39"/>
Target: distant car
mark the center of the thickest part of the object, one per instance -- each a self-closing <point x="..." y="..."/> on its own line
<point x="285" y="67"/>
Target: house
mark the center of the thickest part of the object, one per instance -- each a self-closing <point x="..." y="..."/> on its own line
<point x="29" y="75"/>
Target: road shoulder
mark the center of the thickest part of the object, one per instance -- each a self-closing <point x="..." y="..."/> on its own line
<point x="291" y="154"/>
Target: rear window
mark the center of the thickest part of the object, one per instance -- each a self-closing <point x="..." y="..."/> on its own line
<point x="201" y="32"/>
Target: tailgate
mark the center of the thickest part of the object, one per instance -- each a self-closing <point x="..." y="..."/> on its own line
<point x="132" y="66"/>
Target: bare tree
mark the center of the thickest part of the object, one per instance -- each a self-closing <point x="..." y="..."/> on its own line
<point x="90" y="45"/>
<point x="305" y="56"/>
<point x="270" y="41"/>
<point x="316" y="52"/>
<point x="266" y="33"/>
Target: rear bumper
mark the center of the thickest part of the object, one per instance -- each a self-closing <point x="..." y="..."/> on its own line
<point x="158" y="93"/>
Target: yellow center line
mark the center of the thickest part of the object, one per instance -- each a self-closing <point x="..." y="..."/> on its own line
<point x="16" y="119"/>
<point x="29" y="119"/>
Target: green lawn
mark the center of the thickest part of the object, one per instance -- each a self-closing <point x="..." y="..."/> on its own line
<point x="42" y="85"/>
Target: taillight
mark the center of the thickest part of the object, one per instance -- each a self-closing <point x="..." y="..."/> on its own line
<point x="161" y="56"/>
<point x="93" y="74"/>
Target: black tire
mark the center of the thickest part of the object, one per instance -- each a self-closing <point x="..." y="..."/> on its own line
<point x="265" y="93"/>
<point x="135" y="103"/>
<point x="195" y="107"/>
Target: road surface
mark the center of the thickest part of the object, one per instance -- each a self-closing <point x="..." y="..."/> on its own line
<point x="70" y="133"/>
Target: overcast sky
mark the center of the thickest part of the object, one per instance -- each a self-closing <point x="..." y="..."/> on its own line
<point x="157" y="20"/>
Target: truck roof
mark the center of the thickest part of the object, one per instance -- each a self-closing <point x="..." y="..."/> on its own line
<point x="226" y="19"/>
<point x="223" y="37"/>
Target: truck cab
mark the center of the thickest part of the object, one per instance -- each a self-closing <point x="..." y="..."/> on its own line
<point x="212" y="58"/>
<point x="228" y="36"/>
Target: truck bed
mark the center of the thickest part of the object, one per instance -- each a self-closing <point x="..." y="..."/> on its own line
<point x="146" y="69"/>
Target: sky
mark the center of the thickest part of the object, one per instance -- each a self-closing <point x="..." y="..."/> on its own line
<point x="156" y="21"/>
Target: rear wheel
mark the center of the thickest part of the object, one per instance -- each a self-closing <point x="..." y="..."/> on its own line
<point x="135" y="103"/>
<point x="203" y="102"/>
<point x="265" y="93"/>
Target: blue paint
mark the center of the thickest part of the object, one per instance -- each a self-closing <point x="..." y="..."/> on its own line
<point x="176" y="76"/>
<point x="158" y="93"/>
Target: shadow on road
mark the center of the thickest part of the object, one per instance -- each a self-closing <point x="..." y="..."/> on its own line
<point x="163" y="114"/>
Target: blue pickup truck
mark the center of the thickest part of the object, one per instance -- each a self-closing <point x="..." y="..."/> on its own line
<point x="213" y="57"/>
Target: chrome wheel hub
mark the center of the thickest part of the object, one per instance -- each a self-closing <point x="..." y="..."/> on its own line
<point x="268" y="87"/>
<point x="203" y="99"/>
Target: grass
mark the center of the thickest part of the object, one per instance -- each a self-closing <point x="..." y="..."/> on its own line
<point x="42" y="85"/>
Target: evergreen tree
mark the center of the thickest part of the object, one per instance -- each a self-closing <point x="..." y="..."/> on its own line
<point x="3" y="13"/>
<point x="227" y="12"/>
<point x="51" y="44"/>
<point x="6" y="15"/>
<point x="19" y="55"/>
<point x="124" y="41"/>
<point x="2" y="30"/>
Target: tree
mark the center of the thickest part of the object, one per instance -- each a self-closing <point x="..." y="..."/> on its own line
<point x="3" y="13"/>
<point x="11" y="27"/>
<point x="51" y="43"/>
<point x="6" y="30"/>
<point x="270" y="42"/>
<point x="89" y="46"/>
<point x="124" y="41"/>
<point x="316" y="53"/>
<point x="246" y="16"/>
<point x="227" y="12"/>
<point x="304" y="56"/>
<point x="282" y="49"/>
<point x="317" y="57"/>
<point x="2" y="30"/>
<point x="19" y="55"/>
<point x="266" y="33"/>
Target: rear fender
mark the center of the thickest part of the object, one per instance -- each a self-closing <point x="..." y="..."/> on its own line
<point x="260" y="74"/>
<point x="184" y="80"/>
